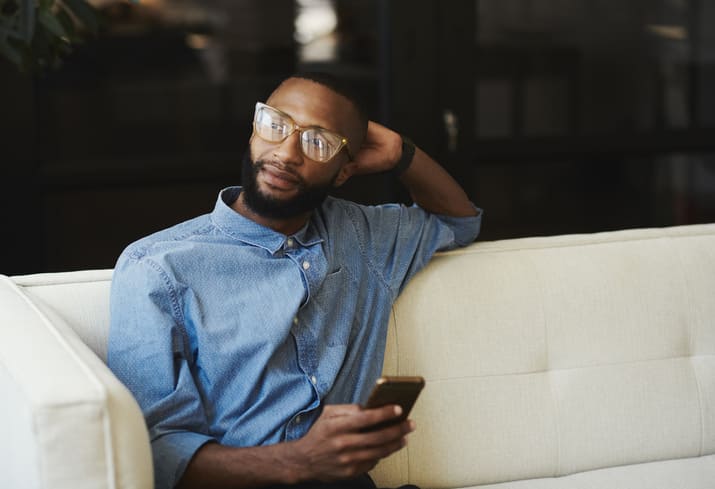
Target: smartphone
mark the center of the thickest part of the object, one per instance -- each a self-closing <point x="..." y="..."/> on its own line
<point x="402" y="391"/>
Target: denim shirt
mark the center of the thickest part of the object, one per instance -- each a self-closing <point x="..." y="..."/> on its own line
<point x="227" y="331"/>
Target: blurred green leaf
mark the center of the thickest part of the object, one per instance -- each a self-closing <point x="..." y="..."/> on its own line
<point x="51" y="23"/>
<point x="53" y="26"/>
<point x="69" y="25"/>
<point x="86" y="14"/>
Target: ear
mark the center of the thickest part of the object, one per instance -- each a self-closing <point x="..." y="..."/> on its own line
<point x="346" y="171"/>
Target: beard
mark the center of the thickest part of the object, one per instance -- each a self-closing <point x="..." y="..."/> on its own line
<point x="309" y="197"/>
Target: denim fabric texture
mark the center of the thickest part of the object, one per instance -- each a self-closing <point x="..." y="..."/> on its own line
<point x="227" y="331"/>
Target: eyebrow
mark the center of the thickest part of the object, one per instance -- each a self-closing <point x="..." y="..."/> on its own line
<point x="305" y="126"/>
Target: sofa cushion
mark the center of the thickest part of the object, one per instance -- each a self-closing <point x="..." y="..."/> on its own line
<point x="686" y="473"/>
<point x="546" y="357"/>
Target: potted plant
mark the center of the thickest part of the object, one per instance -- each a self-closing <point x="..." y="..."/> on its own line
<point x="38" y="34"/>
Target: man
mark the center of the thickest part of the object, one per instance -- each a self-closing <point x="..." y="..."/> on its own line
<point x="250" y="335"/>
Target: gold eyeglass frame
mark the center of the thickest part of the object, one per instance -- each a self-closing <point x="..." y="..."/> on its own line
<point x="295" y="127"/>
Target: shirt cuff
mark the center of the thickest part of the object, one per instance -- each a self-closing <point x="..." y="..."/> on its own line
<point x="465" y="229"/>
<point x="172" y="453"/>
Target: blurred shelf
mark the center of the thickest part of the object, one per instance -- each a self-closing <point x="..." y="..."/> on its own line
<point x="588" y="147"/>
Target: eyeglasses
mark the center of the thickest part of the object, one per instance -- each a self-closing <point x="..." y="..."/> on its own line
<point x="316" y="143"/>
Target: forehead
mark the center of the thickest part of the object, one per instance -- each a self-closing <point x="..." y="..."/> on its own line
<point x="312" y="104"/>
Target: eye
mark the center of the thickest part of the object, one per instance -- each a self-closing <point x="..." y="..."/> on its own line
<point x="278" y="127"/>
<point x="317" y="142"/>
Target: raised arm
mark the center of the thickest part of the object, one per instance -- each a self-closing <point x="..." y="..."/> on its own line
<point x="430" y="186"/>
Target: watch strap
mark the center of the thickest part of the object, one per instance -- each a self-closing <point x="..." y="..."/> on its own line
<point x="408" y="154"/>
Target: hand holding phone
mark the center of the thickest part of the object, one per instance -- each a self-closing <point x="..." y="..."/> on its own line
<point x="402" y="391"/>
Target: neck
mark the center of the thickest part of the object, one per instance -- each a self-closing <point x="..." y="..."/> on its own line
<point x="287" y="226"/>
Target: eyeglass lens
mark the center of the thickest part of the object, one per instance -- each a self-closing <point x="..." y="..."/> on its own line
<point x="316" y="143"/>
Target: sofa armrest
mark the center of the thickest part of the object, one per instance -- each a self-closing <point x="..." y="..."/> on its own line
<point x="67" y="421"/>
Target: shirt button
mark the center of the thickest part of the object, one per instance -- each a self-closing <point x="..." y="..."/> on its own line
<point x="313" y="379"/>
<point x="295" y="321"/>
<point x="290" y="242"/>
<point x="306" y="265"/>
<point x="298" y="419"/>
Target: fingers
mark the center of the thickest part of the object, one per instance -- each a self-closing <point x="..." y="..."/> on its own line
<point x="391" y="435"/>
<point x="351" y="417"/>
<point x="379" y="442"/>
<point x="339" y="444"/>
<point x="379" y="136"/>
<point x="334" y="410"/>
<point x="350" y="461"/>
<point x="369" y="456"/>
<point x="374" y="128"/>
<point x="368" y="418"/>
<point x="349" y="427"/>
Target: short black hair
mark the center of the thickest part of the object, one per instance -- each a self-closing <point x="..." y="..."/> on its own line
<point x="339" y="85"/>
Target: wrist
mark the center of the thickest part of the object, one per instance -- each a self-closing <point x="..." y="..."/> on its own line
<point x="406" y="157"/>
<point x="295" y="468"/>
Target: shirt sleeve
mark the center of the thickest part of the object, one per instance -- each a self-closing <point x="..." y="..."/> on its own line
<point x="398" y="240"/>
<point x="148" y="351"/>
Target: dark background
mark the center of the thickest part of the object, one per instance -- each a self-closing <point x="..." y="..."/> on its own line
<point x="557" y="116"/>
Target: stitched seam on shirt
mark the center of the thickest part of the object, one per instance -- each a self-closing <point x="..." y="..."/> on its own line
<point x="140" y="249"/>
<point x="225" y="231"/>
<point x="202" y="230"/>
<point x="363" y="251"/>
<point x="239" y="238"/>
<point x="206" y="228"/>
<point x="173" y="296"/>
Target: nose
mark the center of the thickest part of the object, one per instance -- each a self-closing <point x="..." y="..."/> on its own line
<point x="288" y="151"/>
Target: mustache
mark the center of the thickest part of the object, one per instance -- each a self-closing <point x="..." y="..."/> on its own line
<point x="259" y="164"/>
<point x="308" y="198"/>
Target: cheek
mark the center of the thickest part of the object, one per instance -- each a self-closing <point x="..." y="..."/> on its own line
<point x="261" y="149"/>
<point x="325" y="174"/>
<point x="257" y="148"/>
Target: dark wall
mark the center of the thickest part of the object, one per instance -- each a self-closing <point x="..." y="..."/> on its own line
<point x="555" y="118"/>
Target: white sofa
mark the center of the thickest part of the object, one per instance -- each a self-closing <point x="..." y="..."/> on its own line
<point x="583" y="361"/>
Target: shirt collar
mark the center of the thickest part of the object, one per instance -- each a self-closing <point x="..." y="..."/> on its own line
<point x="250" y="232"/>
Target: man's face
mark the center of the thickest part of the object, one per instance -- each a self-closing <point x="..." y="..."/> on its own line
<point x="279" y="180"/>
<point x="266" y="204"/>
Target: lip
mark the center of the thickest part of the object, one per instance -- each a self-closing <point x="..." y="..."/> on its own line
<point x="279" y="179"/>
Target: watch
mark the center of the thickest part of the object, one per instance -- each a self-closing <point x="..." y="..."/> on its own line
<point x="408" y="153"/>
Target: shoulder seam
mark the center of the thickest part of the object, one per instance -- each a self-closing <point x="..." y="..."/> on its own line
<point x="363" y="252"/>
<point x="173" y="295"/>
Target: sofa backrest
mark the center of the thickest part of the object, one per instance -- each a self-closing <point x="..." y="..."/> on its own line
<point x="543" y="356"/>
<point x="549" y="356"/>
<point x="80" y="298"/>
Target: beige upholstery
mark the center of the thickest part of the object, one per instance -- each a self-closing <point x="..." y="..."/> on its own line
<point x="67" y="422"/>
<point x="546" y="357"/>
<point x="574" y="361"/>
